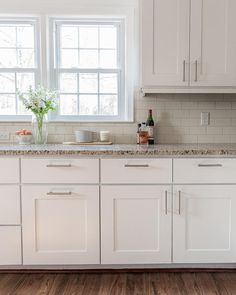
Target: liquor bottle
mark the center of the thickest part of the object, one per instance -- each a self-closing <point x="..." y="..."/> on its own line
<point x="150" y="127"/>
<point x="137" y="134"/>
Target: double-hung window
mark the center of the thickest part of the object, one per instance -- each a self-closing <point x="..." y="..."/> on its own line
<point x="88" y="69"/>
<point x="19" y="64"/>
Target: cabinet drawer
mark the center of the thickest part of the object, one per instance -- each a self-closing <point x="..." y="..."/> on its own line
<point x="9" y="205"/>
<point x="60" y="170"/>
<point x="10" y="246"/>
<point x="205" y="170"/>
<point x="9" y="170"/>
<point x="136" y="171"/>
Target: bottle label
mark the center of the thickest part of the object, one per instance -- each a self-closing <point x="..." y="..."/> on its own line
<point x="150" y="131"/>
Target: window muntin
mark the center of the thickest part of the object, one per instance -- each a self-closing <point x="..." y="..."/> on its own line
<point x="18" y="63"/>
<point x="89" y="69"/>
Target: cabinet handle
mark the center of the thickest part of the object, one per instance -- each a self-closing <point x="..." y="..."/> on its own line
<point x="196" y="71"/>
<point x="210" y="165"/>
<point x="59" y="193"/>
<point x="59" y="165"/>
<point x="136" y="166"/>
<point x="166" y="202"/>
<point x="184" y="70"/>
<point x="179" y="202"/>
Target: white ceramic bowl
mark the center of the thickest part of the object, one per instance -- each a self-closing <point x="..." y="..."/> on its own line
<point x="24" y="139"/>
<point x="83" y="136"/>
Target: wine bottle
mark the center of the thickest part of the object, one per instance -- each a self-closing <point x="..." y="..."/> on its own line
<point x="150" y="126"/>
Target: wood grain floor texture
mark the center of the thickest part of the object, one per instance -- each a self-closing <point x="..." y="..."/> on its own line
<point x="119" y="284"/>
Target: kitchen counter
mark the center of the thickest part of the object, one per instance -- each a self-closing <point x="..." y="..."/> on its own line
<point x="176" y="150"/>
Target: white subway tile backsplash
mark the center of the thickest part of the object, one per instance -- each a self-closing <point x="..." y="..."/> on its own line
<point x="178" y="118"/>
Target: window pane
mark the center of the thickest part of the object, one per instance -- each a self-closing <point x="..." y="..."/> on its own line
<point x="7" y="104"/>
<point x="68" y="105"/>
<point x="69" y="58"/>
<point x="69" y="37"/>
<point x="108" y="37"/>
<point x="7" y="83"/>
<point x="25" y="36"/>
<point x="21" y="109"/>
<point x="108" y="105"/>
<point x="8" y="58"/>
<point x="108" y="59"/>
<point x="24" y="81"/>
<point x="88" y="83"/>
<point x="25" y="58"/>
<point x="108" y="83"/>
<point x="88" y="37"/>
<point x="68" y="83"/>
<point x="88" y="105"/>
<point x="88" y="58"/>
<point x="7" y="36"/>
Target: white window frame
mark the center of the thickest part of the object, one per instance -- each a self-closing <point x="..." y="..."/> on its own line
<point x="37" y="70"/>
<point x="55" y="23"/>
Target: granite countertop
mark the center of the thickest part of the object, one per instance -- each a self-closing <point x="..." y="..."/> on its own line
<point x="176" y="150"/>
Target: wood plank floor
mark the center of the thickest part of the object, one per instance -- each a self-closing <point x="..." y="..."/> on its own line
<point x="119" y="284"/>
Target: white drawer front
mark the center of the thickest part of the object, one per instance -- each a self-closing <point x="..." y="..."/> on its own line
<point x="10" y="246"/>
<point x="205" y="170"/>
<point x="9" y="170"/>
<point x="9" y="205"/>
<point x="60" y="170"/>
<point x="136" y="171"/>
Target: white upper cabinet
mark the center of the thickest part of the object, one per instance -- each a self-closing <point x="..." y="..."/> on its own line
<point x="213" y="43"/>
<point x="165" y="39"/>
<point x="189" y="48"/>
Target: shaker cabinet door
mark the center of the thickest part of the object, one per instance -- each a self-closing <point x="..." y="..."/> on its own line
<point x="204" y="224"/>
<point x="165" y="42"/>
<point x="60" y="225"/>
<point x="136" y="224"/>
<point x="213" y="43"/>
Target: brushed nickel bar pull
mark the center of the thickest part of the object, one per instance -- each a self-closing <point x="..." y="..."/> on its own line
<point x="136" y="166"/>
<point x="196" y="71"/>
<point x="179" y="200"/>
<point x="59" y="165"/>
<point x="210" y="165"/>
<point x="59" y="193"/>
<point x="166" y="202"/>
<point x="184" y="70"/>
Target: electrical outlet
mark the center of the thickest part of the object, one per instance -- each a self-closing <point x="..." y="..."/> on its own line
<point x="205" y="118"/>
<point x="4" y="135"/>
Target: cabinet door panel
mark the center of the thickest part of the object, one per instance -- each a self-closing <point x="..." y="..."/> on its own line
<point x="165" y="42"/>
<point x="204" y="224"/>
<point x="136" y="226"/>
<point x="9" y="205"/>
<point x="213" y="43"/>
<point x="60" y="228"/>
<point x="10" y="245"/>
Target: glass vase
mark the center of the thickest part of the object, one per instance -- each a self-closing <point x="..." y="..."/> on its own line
<point x="40" y="128"/>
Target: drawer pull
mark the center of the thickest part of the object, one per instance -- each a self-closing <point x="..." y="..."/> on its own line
<point x="210" y="165"/>
<point x="136" y="166"/>
<point x="59" y="165"/>
<point x="59" y="193"/>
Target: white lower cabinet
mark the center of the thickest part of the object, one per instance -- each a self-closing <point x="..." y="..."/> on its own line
<point x="10" y="245"/>
<point x="204" y="224"/>
<point x="60" y="224"/>
<point x="135" y="224"/>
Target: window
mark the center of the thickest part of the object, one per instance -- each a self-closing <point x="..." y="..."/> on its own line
<point x="89" y="69"/>
<point x="18" y="63"/>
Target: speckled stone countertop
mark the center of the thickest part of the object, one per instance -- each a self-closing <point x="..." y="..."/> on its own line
<point x="174" y="150"/>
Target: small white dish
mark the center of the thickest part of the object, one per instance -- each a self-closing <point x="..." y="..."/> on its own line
<point x="24" y="139"/>
<point x="83" y="136"/>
